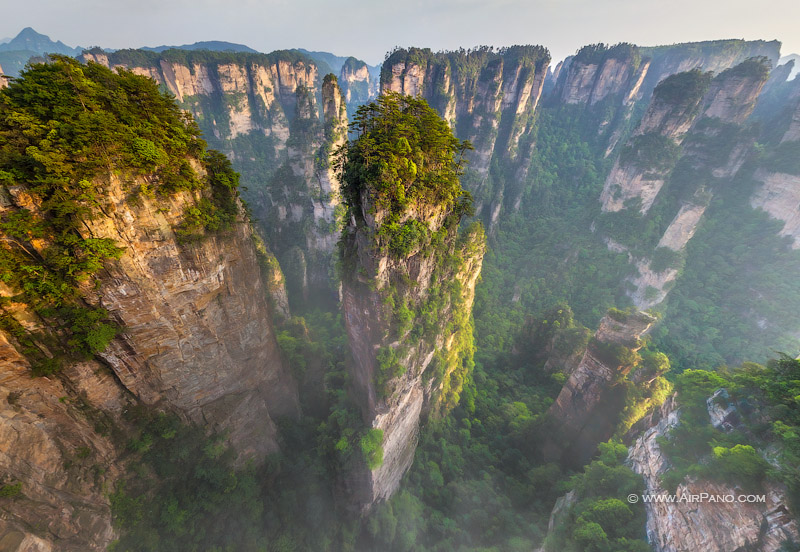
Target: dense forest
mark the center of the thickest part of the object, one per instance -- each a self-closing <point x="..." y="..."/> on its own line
<point x="554" y="301"/>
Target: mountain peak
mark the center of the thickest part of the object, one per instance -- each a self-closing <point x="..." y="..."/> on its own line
<point x="29" y="39"/>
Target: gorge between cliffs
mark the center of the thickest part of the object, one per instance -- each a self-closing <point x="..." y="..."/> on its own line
<point x="466" y="300"/>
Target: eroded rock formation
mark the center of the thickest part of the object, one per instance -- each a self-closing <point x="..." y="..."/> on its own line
<point x="693" y="138"/>
<point x="586" y="410"/>
<point x="489" y="98"/>
<point x="408" y="283"/>
<point x="263" y="111"/>
<point x="779" y="193"/>
<point x="704" y="525"/>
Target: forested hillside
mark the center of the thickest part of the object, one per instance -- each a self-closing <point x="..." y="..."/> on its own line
<point x="472" y="303"/>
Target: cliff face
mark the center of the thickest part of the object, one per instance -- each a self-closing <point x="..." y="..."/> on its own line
<point x="489" y="98"/>
<point x="779" y="192"/>
<point x="622" y="76"/>
<point x="408" y="282"/>
<point x="195" y="327"/>
<point x="586" y="410"/>
<point x="55" y="442"/>
<point x="198" y="332"/>
<point x="712" y="526"/>
<point x="430" y="368"/>
<point x="713" y="55"/>
<point x="358" y="83"/>
<point x="691" y="138"/>
<point x="198" y="341"/>
<point x="264" y="112"/>
<point x="596" y="73"/>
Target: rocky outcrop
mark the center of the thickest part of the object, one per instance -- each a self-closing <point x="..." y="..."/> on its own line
<point x="732" y="95"/>
<point x="586" y="410"/>
<point x="598" y="72"/>
<point x="263" y="111"/>
<point x="197" y="341"/>
<point x="431" y="367"/>
<point x="779" y="195"/>
<point x="697" y="123"/>
<point x="3" y="80"/>
<point x="488" y="97"/>
<point x="408" y="284"/>
<point x="55" y="443"/>
<point x="619" y="77"/>
<point x="304" y="193"/>
<point x="644" y="164"/>
<point x="198" y="332"/>
<point x="712" y="55"/>
<point x="704" y="525"/>
<point x="793" y="132"/>
<point x="257" y="92"/>
<point x="358" y="84"/>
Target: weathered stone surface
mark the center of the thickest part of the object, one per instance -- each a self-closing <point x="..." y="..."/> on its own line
<point x="697" y="125"/>
<point x="793" y="132"/>
<point x="398" y="408"/>
<point x="358" y="84"/>
<point x="198" y="334"/>
<point x="197" y="341"/>
<point x="712" y="55"/>
<point x="626" y="182"/>
<point x="779" y="195"/>
<point x="251" y="108"/>
<point x="731" y="98"/>
<point x="708" y="526"/>
<point x="589" y="83"/>
<point x="492" y="106"/>
<point x="54" y="440"/>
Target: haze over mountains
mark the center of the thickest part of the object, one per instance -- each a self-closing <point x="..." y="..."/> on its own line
<point x="404" y="340"/>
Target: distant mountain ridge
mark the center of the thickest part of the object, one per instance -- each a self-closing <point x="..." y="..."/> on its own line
<point x="213" y="45"/>
<point x="29" y="39"/>
<point x="17" y="51"/>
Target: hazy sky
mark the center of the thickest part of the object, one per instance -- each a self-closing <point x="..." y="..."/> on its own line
<point x="368" y="28"/>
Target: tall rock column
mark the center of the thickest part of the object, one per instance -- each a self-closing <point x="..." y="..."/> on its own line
<point x="130" y="277"/>
<point x="489" y="98"/>
<point x="692" y="139"/>
<point x="586" y="410"/>
<point x="408" y="280"/>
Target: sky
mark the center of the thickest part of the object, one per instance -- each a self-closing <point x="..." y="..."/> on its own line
<point x="367" y="29"/>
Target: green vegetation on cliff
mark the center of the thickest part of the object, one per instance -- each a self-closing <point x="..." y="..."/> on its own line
<point x="65" y="129"/>
<point x="404" y="163"/>
<point x="400" y="183"/>
<point x="763" y="423"/>
<point x="599" y="53"/>
<point x="600" y="517"/>
<point x="685" y="89"/>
